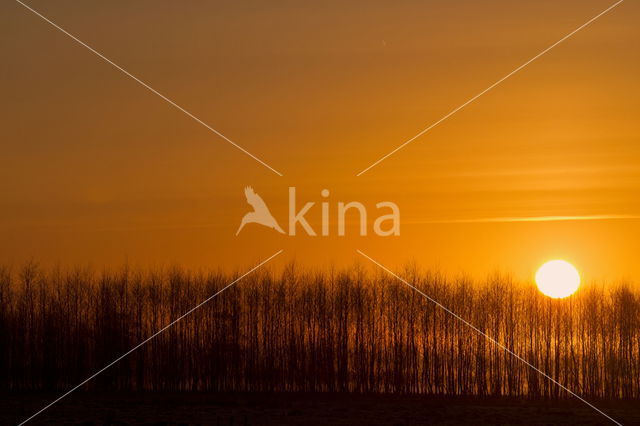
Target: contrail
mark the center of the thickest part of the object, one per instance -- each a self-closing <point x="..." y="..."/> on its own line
<point x="535" y="219"/>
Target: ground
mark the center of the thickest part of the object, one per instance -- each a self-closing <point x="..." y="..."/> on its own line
<point x="238" y="409"/>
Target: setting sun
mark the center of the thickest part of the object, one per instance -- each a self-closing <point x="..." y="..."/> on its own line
<point x="557" y="279"/>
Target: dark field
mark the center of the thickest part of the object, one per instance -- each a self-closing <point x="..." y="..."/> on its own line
<point x="305" y="408"/>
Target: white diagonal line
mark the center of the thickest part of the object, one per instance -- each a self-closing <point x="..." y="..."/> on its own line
<point x="422" y="132"/>
<point x="145" y="85"/>
<point x="491" y="339"/>
<point x="171" y="324"/>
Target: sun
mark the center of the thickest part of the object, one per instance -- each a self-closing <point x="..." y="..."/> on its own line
<point x="558" y="279"/>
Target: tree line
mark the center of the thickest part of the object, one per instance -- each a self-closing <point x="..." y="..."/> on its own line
<point x="296" y="330"/>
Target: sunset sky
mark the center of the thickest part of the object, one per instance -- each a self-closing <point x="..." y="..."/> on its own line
<point x="98" y="170"/>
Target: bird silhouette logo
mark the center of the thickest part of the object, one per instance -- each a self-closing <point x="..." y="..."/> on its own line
<point x="260" y="213"/>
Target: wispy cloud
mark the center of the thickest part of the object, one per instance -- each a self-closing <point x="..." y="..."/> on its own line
<point x="536" y="219"/>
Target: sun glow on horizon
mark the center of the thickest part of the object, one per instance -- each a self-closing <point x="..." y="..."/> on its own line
<point x="557" y="279"/>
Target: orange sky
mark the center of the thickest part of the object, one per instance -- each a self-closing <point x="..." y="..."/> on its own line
<point x="97" y="169"/>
